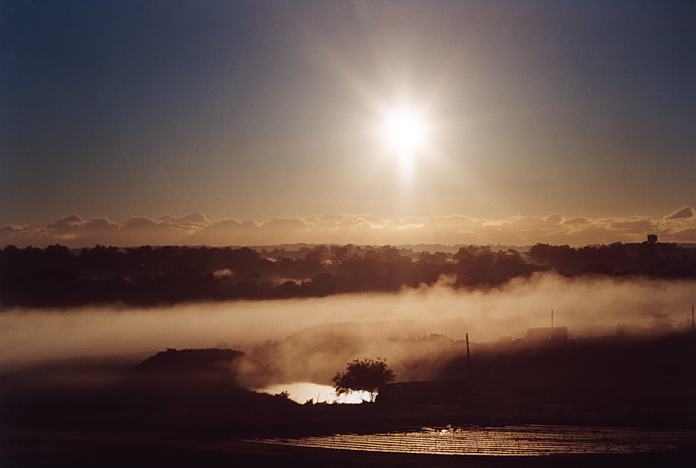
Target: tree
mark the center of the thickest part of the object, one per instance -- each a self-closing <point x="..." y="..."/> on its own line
<point x="363" y="374"/>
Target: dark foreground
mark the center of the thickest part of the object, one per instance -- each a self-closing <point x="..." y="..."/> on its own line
<point x="182" y="409"/>
<point x="22" y="449"/>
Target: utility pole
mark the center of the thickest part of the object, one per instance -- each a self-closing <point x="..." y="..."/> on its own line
<point x="468" y="358"/>
<point x="692" y="317"/>
<point x="551" y="318"/>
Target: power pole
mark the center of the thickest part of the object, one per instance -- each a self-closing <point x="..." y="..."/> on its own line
<point x="468" y="358"/>
<point x="551" y="318"/>
<point x="692" y="317"/>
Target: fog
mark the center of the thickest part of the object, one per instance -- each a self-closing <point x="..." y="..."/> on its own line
<point x="379" y="324"/>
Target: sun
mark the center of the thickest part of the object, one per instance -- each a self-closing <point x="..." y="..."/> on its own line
<point x="405" y="130"/>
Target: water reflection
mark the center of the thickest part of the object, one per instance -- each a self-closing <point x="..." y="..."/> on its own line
<point x="530" y="440"/>
<point x="301" y="392"/>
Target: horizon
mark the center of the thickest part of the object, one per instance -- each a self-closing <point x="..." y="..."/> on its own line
<point x="678" y="226"/>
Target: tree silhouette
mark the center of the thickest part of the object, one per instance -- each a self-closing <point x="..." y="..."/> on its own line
<point x="145" y="276"/>
<point x="363" y="374"/>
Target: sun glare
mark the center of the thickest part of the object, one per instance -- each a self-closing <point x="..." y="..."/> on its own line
<point x="405" y="131"/>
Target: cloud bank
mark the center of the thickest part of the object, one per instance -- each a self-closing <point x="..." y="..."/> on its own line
<point x="197" y="229"/>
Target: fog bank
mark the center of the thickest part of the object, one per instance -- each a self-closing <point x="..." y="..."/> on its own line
<point x="586" y="306"/>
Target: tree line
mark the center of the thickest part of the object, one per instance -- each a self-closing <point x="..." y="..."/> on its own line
<point x="56" y="276"/>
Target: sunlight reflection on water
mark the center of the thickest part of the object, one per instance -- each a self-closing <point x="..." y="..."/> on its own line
<point x="301" y="392"/>
<point x="530" y="440"/>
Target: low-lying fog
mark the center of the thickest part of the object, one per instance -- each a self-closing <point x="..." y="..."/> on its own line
<point x="383" y="323"/>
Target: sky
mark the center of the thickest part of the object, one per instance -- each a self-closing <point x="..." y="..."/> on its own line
<point x="135" y="113"/>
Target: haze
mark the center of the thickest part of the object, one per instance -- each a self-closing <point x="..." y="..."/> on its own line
<point x="587" y="307"/>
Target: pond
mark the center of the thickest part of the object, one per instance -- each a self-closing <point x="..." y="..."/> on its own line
<point x="301" y="392"/>
<point x="522" y="440"/>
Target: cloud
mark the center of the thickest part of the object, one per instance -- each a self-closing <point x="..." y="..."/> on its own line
<point x="686" y="212"/>
<point x="197" y="229"/>
<point x="634" y="224"/>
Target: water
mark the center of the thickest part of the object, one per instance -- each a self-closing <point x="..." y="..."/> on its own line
<point x="301" y="392"/>
<point x="527" y="440"/>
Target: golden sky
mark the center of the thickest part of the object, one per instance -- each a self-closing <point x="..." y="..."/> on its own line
<point x="411" y="121"/>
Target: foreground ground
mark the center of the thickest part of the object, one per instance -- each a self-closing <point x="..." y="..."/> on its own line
<point x="167" y="412"/>
<point x="22" y="449"/>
